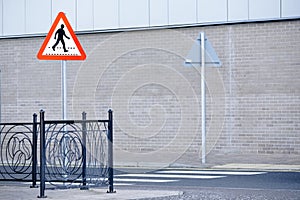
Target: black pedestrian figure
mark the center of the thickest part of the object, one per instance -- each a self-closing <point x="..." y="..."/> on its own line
<point x="61" y="33"/>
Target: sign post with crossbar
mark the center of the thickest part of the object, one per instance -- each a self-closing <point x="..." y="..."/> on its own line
<point x="202" y="54"/>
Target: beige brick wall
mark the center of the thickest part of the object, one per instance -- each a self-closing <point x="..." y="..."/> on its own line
<point x="253" y="100"/>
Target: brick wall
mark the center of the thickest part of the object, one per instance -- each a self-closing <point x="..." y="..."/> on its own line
<point x="253" y="100"/>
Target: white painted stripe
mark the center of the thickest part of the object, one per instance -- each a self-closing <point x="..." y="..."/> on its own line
<point x="143" y="180"/>
<point x="209" y="172"/>
<point x="30" y="183"/>
<point x="60" y="183"/>
<point x="123" y="184"/>
<point x="54" y="184"/>
<point x="169" y="176"/>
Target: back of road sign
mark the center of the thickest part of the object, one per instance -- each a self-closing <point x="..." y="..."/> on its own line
<point x="61" y="42"/>
<point x="194" y="56"/>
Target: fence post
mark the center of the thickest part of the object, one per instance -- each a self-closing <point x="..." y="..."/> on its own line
<point x="42" y="155"/>
<point x="34" y="151"/>
<point x="84" y="132"/>
<point x="110" y="153"/>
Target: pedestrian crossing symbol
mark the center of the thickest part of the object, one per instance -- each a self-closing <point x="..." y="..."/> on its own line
<point x="61" y="42"/>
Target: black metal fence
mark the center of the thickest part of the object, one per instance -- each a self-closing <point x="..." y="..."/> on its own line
<point x="16" y="150"/>
<point x="72" y="153"/>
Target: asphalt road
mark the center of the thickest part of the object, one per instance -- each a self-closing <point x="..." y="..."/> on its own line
<point x="210" y="184"/>
<point x="196" y="184"/>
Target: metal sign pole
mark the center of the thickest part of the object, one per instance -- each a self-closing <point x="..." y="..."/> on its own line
<point x="203" y="97"/>
<point x="203" y="55"/>
<point x="64" y="89"/>
<point x="64" y="112"/>
<point x="0" y="98"/>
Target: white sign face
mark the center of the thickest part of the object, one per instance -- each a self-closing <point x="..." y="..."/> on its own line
<point x="61" y="42"/>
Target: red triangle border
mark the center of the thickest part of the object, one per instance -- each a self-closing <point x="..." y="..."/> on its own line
<point x="40" y="55"/>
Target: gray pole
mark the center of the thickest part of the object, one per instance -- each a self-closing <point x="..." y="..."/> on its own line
<point x="64" y="107"/>
<point x="64" y="89"/>
<point x="203" y="103"/>
<point x="0" y="98"/>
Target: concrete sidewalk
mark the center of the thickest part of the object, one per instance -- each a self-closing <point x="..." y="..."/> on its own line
<point x="258" y="167"/>
<point x="230" y="161"/>
<point x="229" y="166"/>
<point x="26" y="193"/>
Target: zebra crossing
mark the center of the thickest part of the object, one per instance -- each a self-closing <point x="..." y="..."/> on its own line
<point x="175" y="175"/>
<point x="168" y="176"/>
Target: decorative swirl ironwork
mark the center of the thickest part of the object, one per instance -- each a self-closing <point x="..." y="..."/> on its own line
<point x="75" y="152"/>
<point x="64" y="153"/>
<point x="16" y="151"/>
<point x="97" y="156"/>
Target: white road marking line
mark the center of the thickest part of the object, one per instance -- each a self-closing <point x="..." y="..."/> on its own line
<point x="209" y="172"/>
<point x="52" y="183"/>
<point x="123" y="184"/>
<point x="48" y="184"/>
<point x="169" y="176"/>
<point x="143" y="180"/>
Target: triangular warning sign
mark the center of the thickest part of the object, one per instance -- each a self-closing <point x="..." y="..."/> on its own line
<point x="61" y="42"/>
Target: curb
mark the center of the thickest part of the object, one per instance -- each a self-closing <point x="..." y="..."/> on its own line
<point x="231" y="166"/>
